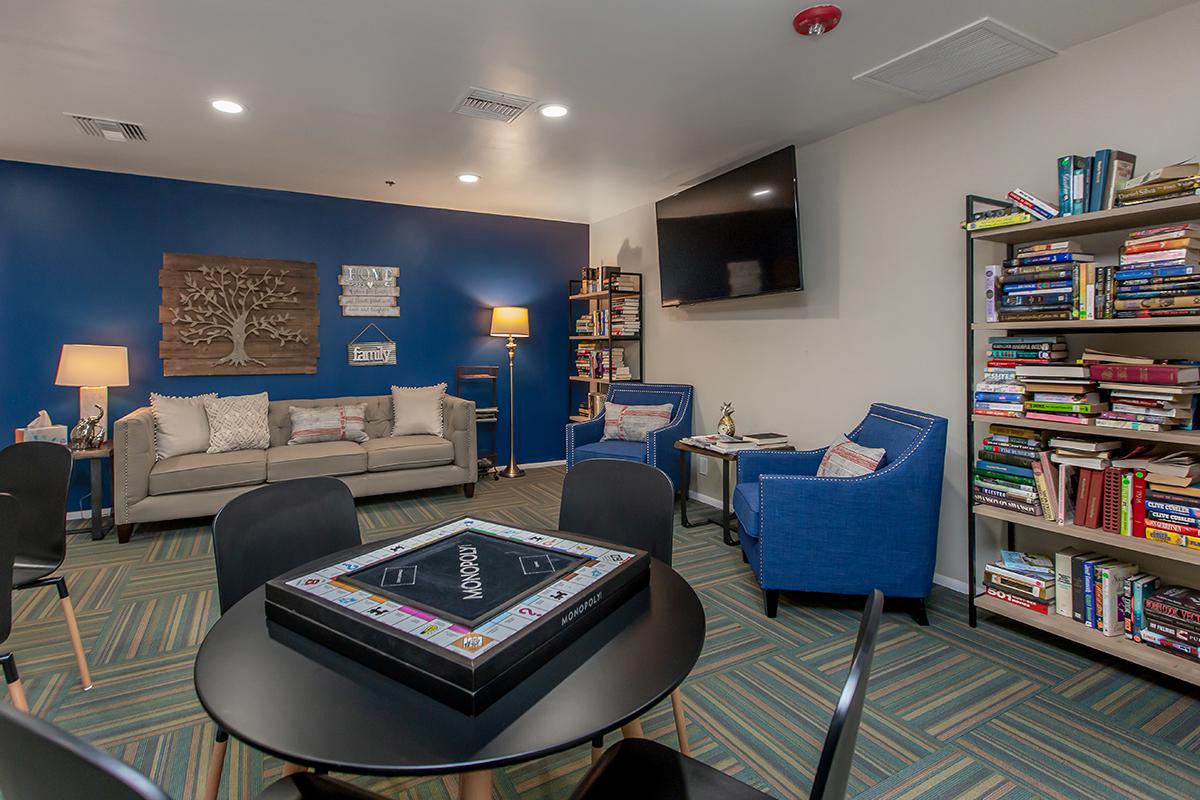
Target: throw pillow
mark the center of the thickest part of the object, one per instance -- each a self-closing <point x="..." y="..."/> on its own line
<point x="328" y="424"/>
<point x="417" y="409"/>
<point x="632" y="423"/>
<point x="237" y="423"/>
<point x="180" y="424"/>
<point x="846" y="459"/>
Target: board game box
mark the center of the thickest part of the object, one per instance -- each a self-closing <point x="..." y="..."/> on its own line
<point x="463" y="611"/>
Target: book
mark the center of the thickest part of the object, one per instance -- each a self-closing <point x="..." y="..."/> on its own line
<point x="1008" y="597"/>
<point x="766" y="438"/>
<point x="1112" y="584"/>
<point x="1014" y="218"/>
<point x="1110" y="501"/>
<point x="1156" y="374"/>
<point x="1062" y="580"/>
<point x="1095" y="497"/>
<point x="1172" y="172"/>
<point x="1082" y="494"/>
<point x="1067" y="481"/>
<point x="1084" y="445"/>
<point x="1033" y="204"/>
<point x="1140" y="587"/>
<point x="1077" y="596"/>
<point x="1178" y="602"/>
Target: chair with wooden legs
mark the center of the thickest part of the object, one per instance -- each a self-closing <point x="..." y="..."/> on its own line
<point x="641" y="768"/>
<point x="37" y="475"/>
<point x="8" y="549"/>
<point x="39" y="760"/>
<point x="266" y="532"/>
<point x="626" y="503"/>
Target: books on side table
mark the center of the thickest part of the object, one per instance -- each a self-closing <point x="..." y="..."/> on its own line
<point x="722" y="443"/>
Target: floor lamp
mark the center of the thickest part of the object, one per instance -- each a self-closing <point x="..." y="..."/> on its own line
<point x="513" y="322"/>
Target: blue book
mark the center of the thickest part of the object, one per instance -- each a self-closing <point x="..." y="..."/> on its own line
<point x="1089" y="592"/>
<point x="1155" y="272"/>
<point x="1101" y="166"/>
<point x="999" y="397"/>
<point x="1065" y="166"/>
<point x="1173" y="509"/>
<point x="1035" y="300"/>
<point x="992" y="466"/>
<point x="1020" y="287"/>
<point x="1046" y="258"/>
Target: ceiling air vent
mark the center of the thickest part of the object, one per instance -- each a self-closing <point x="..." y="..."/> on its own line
<point x="110" y="129"/>
<point x="489" y="104"/>
<point x="981" y="51"/>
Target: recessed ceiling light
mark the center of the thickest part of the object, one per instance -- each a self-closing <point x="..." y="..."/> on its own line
<point x="228" y="106"/>
<point x="553" y="110"/>
<point x="469" y="177"/>
<point x="762" y="192"/>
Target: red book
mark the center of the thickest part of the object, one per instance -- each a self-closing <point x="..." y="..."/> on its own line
<point x="1081" y="496"/>
<point x="1170" y="527"/>
<point x="1031" y="605"/>
<point x="1110" y="502"/>
<point x="1138" y="503"/>
<point x="1095" y="495"/>
<point x="1162" y="244"/>
<point x="1162" y="374"/>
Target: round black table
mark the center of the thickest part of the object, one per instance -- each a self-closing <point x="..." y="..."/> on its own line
<point x="295" y="699"/>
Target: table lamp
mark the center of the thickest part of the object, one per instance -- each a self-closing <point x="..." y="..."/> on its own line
<point x="93" y="368"/>
<point x="513" y="322"/>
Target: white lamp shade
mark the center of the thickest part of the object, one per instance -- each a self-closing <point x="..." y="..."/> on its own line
<point x="93" y="365"/>
<point x="510" y="321"/>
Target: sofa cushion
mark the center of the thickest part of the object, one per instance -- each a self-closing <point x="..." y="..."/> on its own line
<point x="195" y="471"/>
<point x="407" y="452"/>
<point x="238" y="423"/>
<point x="314" y="460"/>
<point x="745" y="505"/>
<point x="180" y="424"/>
<point x="612" y="448"/>
<point x="418" y="409"/>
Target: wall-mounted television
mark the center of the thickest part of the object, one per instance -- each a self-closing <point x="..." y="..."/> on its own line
<point x="735" y="235"/>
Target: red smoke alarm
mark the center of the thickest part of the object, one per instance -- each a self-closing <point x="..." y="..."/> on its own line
<point x="816" y="20"/>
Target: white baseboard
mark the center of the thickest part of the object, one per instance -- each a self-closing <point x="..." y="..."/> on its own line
<point x="703" y="498"/>
<point x="86" y="514"/>
<point x="954" y="584"/>
<point x="536" y="464"/>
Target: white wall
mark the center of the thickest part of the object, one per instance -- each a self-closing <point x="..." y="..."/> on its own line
<point x="882" y="315"/>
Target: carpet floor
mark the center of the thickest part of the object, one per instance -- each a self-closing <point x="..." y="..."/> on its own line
<point x="995" y="712"/>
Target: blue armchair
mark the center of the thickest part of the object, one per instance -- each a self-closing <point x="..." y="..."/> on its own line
<point x="584" y="438"/>
<point x="847" y="535"/>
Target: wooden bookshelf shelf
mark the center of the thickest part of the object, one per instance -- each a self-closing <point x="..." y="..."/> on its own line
<point x="577" y="338"/>
<point x="1127" y="649"/>
<point x="1173" y="437"/>
<point x="578" y="418"/>
<point x="602" y="295"/>
<point x="1164" y="212"/>
<point x="586" y="379"/>
<point x="1095" y="325"/>
<point x="1130" y="544"/>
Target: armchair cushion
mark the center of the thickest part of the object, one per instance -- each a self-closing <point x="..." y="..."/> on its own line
<point x="633" y="423"/>
<point x="612" y="448"/>
<point x="847" y="459"/>
<point x="745" y="505"/>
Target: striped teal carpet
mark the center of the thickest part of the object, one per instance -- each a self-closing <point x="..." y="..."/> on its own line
<point x="994" y="712"/>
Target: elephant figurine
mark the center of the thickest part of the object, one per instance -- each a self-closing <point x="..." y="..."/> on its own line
<point x="88" y="433"/>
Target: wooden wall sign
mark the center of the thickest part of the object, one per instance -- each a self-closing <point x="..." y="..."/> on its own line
<point x="371" y="354"/>
<point x="238" y="316"/>
<point x="369" y="291"/>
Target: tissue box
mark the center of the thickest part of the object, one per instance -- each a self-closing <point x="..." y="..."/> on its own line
<point x="53" y="433"/>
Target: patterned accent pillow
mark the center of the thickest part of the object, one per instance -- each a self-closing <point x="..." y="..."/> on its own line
<point x="180" y="424"/>
<point x="328" y="424"/>
<point x="846" y="459"/>
<point x="417" y="409"/>
<point x="632" y="423"/>
<point x="237" y="423"/>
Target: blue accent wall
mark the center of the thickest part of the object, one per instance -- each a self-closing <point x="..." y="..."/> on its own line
<point x="80" y="253"/>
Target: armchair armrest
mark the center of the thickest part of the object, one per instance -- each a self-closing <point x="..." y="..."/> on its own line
<point x="753" y="465"/>
<point x="660" y="443"/>
<point x="133" y="458"/>
<point x="460" y="430"/>
<point x="579" y="433"/>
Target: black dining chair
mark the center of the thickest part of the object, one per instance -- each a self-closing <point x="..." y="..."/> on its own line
<point x="631" y="504"/>
<point x="37" y="475"/>
<point x="642" y="768"/>
<point x="266" y="532"/>
<point x="8" y="551"/>
<point x="40" y="761"/>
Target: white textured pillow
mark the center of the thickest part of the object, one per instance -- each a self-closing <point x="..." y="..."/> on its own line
<point x="417" y="409"/>
<point x="238" y="423"/>
<point x="180" y="424"/>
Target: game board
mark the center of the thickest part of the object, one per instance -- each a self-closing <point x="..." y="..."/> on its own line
<point x="462" y="611"/>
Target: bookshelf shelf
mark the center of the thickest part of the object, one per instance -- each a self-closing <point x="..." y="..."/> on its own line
<point x="599" y="295"/>
<point x="605" y="338"/>
<point x="1118" y="646"/>
<point x="1127" y="543"/>
<point x="599" y="304"/>
<point x="1093" y="325"/>
<point x="1164" y="212"/>
<point x="1172" y="437"/>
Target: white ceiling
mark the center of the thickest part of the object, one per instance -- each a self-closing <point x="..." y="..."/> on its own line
<point x="343" y="95"/>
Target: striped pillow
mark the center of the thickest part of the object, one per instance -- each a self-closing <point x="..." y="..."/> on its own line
<point x="632" y="423"/>
<point x="328" y="424"/>
<point x="846" y="459"/>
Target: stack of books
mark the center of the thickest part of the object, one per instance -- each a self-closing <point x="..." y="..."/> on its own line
<point x="585" y="325"/>
<point x="1145" y="394"/>
<point x="1092" y="183"/>
<point x="626" y="316"/>
<point x="1164" y="183"/>
<point x="592" y="406"/>
<point x="1091" y="589"/>
<point x="486" y="414"/>
<point x="1079" y="467"/>
<point x="1172" y="503"/>
<point x="623" y="283"/>
<point x="1034" y="205"/>
<point x="1026" y="580"/>
<point x="620" y="370"/>
<point x="1004" y="470"/>
<point x="1159" y="273"/>
<point x="1060" y="392"/>
<point x="591" y="360"/>
<point x="1001" y="393"/>
<point x="723" y="443"/>
<point x="1170" y="620"/>
<point x="1050" y="281"/>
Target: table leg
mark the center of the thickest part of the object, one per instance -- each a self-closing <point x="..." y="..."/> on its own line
<point x="292" y="769"/>
<point x="475" y="785"/>
<point x="726" y="505"/>
<point x="98" y="530"/>
<point x="685" y="487"/>
<point x="633" y="730"/>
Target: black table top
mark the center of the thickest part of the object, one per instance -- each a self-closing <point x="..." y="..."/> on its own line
<point x="290" y="697"/>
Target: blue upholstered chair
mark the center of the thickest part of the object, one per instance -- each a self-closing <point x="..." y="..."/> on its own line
<point x="584" y="438"/>
<point x="847" y="535"/>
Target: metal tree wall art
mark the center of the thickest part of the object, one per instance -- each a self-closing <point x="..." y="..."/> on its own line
<point x="231" y="316"/>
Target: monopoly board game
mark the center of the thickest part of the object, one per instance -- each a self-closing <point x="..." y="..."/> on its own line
<point x="462" y="611"/>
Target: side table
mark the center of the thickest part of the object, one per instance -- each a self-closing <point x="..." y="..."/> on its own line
<point x="685" y="479"/>
<point x="100" y="527"/>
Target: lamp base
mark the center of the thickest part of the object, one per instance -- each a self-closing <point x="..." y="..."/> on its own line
<point x="512" y="471"/>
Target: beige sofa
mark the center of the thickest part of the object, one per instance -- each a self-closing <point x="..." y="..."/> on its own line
<point x="199" y="484"/>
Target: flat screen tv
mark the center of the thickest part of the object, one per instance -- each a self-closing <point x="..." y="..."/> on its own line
<point x="735" y="235"/>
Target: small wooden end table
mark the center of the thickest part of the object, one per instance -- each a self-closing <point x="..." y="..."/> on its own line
<point x="685" y="480"/>
<point x="100" y="527"/>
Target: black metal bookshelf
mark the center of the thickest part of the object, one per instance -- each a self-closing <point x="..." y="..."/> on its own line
<point x="579" y="302"/>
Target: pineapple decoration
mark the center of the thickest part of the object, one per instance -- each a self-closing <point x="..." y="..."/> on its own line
<point x="726" y="426"/>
